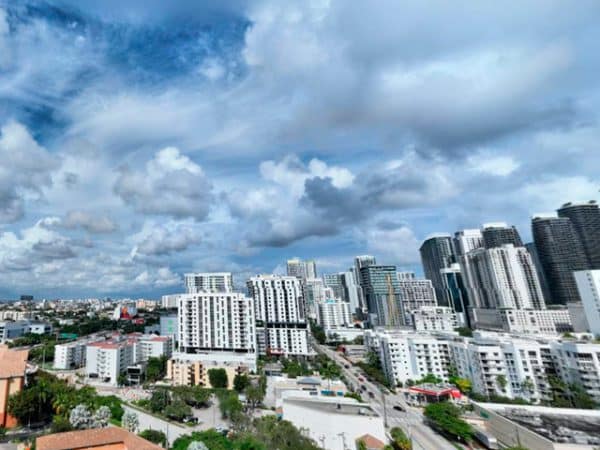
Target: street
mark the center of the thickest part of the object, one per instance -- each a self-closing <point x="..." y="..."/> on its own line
<point x="410" y="420"/>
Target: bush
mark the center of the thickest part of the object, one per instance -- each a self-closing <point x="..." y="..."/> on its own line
<point x="158" y="437"/>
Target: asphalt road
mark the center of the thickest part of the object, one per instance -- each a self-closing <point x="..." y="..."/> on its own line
<point x="410" y="420"/>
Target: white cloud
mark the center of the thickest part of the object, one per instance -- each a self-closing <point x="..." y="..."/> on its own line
<point x="489" y="164"/>
<point x="171" y="184"/>
<point x="89" y="221"/>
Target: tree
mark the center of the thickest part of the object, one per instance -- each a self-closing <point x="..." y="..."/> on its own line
<point x="218" y="378"/>
<point x="240" y="382"/>
<point x="156" y="368"/>
<point x="464" y="331"/>
<point x="446" y="417"/>
<point x="101" y="417"/>
<point x="527" y="386"/>
<point x="159" y="400"/>
<point x="400" y="440"/>
<point x="197" y="445"/>
<point x="81" y="417"/>
<point x="281" y="434"/>
<point x="177" y="410"/>
<point x="130" y="421"/>
<point x="502" y="382"/>
<point x="229" y="404"/>
<point x="60" y="424"/>
<point x="464" y="385"/>
<point x="156" y="436"/>
<point x="254" y="395"/>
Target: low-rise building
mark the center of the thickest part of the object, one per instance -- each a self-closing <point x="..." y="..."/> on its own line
<point x="528" y="321"/>
<point x="333" y="423"/>
<point x="334" y="313"/>
<point x="185" y="369"/>
<point x="13" y="368"/>
<point x="112" y="438"/>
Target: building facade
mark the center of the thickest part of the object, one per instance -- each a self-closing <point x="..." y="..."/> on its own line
<point x="502" y="277"/>
<point x="560" y="253"/>
<point x="281" y="322"/>
<point x="499" y="234"/>
<point x="588" y="286"/>
<point x="437" y="253"/>
<point x="381" y="291"/>
<point x="414" y="294"/>
<point x="585" y="218"/>
<point x="208" y="282"/>
<point x="217" y="321"/>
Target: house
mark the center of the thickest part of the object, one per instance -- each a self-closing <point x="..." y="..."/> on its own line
<point x="111" y="438"/>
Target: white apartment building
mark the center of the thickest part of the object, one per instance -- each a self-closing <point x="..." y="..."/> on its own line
<point x="208" y="282"/>
<point x="106" y="360"/>
<point x="406" y="355"/>
<point x="434" y="318"/>
<point x="502" y="277"/>
<point x="70" y="355"/>
<point x="588" y="285"/>
<point x="280" y="316"/>
<point x="14" y="314"/>
<point x="501" y="364"/>
<point x="526" y="321"/>
<point x="217" y="321"/>
<point x="334" y="313"/>
<point x="170" y="301"/>
<point x="12" y="330"/>
<point x="314" y="293"/>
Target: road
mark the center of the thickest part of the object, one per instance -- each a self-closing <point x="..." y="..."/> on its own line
<point x="410" y="420"/>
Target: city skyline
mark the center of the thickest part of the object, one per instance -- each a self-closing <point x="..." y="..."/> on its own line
<point x="139" y="145"/>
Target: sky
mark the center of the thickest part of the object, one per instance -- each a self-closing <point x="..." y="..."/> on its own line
<point x="140" y="140"/>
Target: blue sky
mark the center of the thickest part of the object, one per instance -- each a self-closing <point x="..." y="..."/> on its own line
<point x="143" y="139"/>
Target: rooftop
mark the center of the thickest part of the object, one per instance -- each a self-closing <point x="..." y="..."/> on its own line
<point x="112" y="438"/>
<point x="14" y="362"/>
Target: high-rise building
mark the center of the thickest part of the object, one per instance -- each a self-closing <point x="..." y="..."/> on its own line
<point x="313" y="293"/>
<point x="216" y="321"/>
<point x="588" y="284"/>
<point x="334" y="281"/>
<point x="560" y="253"/>
<point x="535" y="257"/>
<point x="381" y="290"/>
<point x="502" y="277"/>
<point x="208" y="282"/>
<point x="414" y="294"/>
<point x="334" y="313"/>
<point x="352" y="290"/>
<point x="467" y="240"/>
<point x="301" y="269"/>
<point x="280" y="317"/>
<point x="498" y="234"/>
<point x="456" y="292"/>
<point x="360" y="262"/>
<point x="585" y="218"/>
<point x="437" y="253"/>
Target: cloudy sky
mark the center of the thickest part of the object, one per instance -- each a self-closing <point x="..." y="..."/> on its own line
<point x="143" y="139"/>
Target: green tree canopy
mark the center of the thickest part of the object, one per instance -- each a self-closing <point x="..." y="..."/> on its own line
<point x="218" y="378"/>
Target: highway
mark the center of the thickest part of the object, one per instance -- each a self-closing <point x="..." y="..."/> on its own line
<point x="410" y="420"/>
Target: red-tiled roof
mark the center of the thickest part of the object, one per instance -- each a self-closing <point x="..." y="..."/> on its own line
<point x="12" y="362"/>
<point x="97" y="437"/>
<point x="371" y="442"/>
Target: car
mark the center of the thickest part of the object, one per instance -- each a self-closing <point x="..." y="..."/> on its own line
<point x="398" y="408"/>
<point x="361" y="379"/>
<point x="347" y="366"/>
<point x="363" y="387"/>
<point x="371" y="394"/>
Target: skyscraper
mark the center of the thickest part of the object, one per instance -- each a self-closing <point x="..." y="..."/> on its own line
<point x="301" y="269"/>
<point x="502" y="277"/>
<point x="360" y="262"/>
<point x="352" y="290"/>
<point x="499" y="233"/>
<point x="280" y="318"/>
<point x="437" y="253"/>
<point x="382" y="295"/>
<point x="467" y="240"/>
<point x="560" y="254"/>
<point x="334" y="281"/>
<point x="457" y="292"/>
<point x="585" y="218"/>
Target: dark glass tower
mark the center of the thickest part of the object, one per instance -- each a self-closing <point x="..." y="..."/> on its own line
<point x="437" y="253"/>
<point x="382" y="295"/>
<point x="585" y="218"/>
<point x="560" y="253"/>
<point x="499" y="234"/>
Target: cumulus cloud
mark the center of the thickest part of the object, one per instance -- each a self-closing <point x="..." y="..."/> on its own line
<point x="160" y="240"/>
<point x="25" y="168"/>
<point x="171" y="184"/>
<point x="89" y="222"/>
